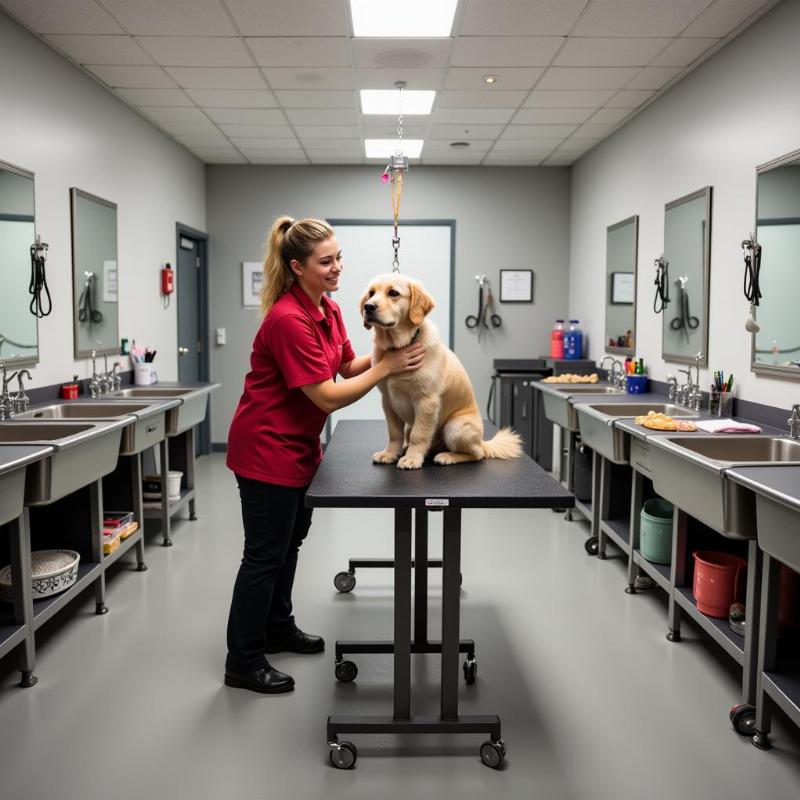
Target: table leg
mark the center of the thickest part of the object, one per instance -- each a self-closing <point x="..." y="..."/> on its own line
<point x="138" y="507"/>
<point x="20" y="543"/>
<point x="402" y="613"/>
<point x="420" y="564"/>
<point x="637" y="493"/>
<point x="165" y="516"/>
<point x="451" y="569"/>
<point x="678" y="571"/>
<point x="96" y="509"/>
<point x="767" y="648"/>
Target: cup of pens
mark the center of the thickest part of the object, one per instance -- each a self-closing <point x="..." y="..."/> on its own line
<point x="143" y="372"/>
<point x="720" y="396"/>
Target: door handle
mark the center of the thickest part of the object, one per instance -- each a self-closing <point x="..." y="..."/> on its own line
<point x="182" y="351"/>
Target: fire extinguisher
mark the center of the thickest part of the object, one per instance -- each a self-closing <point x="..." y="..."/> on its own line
<point x="167" y="284"/>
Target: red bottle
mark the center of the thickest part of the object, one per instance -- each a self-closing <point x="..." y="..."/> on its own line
<point x="557" y="340"/>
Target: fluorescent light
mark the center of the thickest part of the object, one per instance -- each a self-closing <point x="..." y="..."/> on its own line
<point x="394" y="102"/>
<point x="383" y="148"/>
<point x="411" y="18"/>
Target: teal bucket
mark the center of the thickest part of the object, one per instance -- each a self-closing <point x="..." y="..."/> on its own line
<point x="655" y="532"/>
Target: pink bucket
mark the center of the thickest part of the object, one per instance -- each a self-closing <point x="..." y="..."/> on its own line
<point x="717" y="581"/>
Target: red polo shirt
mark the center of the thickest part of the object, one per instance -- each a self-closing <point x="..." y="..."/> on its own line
<point x="274" y="435"/>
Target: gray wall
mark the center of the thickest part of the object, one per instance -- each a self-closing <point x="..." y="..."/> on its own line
<point x="737" y="110"/>
<point x="62" y="125"/>
<point x="505" y="218"/>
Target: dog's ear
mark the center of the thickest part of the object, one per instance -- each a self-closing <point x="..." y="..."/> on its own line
<point x="421" y="304"/>
<point x="361" y="302"/>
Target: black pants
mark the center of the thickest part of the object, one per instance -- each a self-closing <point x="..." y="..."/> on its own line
<point x="275" y="523"/>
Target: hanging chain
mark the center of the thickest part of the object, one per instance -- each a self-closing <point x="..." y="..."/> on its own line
<point x="397" y="185"/>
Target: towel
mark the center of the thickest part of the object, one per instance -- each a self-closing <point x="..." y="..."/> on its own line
<point x="726" y="426"/>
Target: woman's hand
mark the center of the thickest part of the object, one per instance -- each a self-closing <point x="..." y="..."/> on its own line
<point x="407" y="359"/>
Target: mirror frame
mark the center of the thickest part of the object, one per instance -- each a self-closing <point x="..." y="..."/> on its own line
<point x="771" y="369"/>
<point x="635" y="220"/>
<point x="74" y="194"/>
<point x="679" y="358"/>
<point x="22" y="361"/>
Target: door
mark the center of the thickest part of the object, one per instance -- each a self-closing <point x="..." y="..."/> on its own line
<point x="192" y="301"/>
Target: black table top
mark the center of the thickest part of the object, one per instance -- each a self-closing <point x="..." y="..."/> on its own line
<point x="347" y="478"/>
<point x="780" y="482"/>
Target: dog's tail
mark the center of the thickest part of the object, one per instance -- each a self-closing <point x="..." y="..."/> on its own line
<point x="504" y="444"/>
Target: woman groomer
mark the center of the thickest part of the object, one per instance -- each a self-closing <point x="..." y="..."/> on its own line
<point x="273" y="443"/>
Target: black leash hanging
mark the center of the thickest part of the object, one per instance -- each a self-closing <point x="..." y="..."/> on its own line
<point x="661" y="300"/>
<point x="752" y="270"/>
<point x="38" y="282"/>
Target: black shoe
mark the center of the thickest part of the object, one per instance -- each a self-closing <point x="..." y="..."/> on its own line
<point x="298" y="642"/>
<point x="267" y="680"/>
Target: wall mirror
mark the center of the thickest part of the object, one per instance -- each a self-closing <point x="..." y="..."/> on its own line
<point x="94" y="274"/>
<point x="622" y="245"/>
<point x="776" y="346"/>
<point x="687" y="251"/>
<point x="19" y="332"/>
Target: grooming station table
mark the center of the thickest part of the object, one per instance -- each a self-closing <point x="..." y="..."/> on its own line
<point x="347" y="478"/>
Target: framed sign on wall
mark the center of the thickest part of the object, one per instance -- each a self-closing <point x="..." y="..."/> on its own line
<point x="622" y="288"/>
<point x="252" y="281"/>
<point x="516" y="285"/>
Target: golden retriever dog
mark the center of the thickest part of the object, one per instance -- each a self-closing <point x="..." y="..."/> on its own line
<point x="432" y="409"/>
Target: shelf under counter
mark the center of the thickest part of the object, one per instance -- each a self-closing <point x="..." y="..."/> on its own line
<point x="124" y="546"/>
<point x="718" y="629"/>
<point x="585" y="508"/>
<point x="782" y="683"/>
<point x="618" y="530"/>
<point x="12" y="634"/>
<point x="660" y="573"/>
<point x="153" y="510"/>
<point x="47" y="607"/>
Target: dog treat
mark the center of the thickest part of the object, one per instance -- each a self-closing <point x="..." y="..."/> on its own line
<point x="571" y="378"/>
<point x="661" y="422"/>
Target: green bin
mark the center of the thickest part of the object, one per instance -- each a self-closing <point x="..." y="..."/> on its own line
<point x="655" y="532"/>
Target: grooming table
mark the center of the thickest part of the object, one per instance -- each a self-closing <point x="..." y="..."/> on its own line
<point x="347" y="478"/>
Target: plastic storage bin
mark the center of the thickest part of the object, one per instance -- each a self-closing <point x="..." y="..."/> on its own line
<point x="636" y="384"/>
<point x="655" y="530"/>
<point x="718" y="578"/>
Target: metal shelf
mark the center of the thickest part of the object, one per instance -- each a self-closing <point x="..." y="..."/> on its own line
<point x="585" y="508"/>
<point x="782" y="684"/>
<point x="618" y="530"/>
<point x="124" y="546"/>
<point x="719" y="629"/>
<point x="154" y="512"/>
<point x="43" y="610"/>
<point x="660" y="573"/>
<point x="11" y="633"/>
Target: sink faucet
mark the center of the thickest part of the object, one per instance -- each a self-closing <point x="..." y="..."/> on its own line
<point x="794" y="422"/>
<point x="105" y="377"/>
<point x="672" y="383"/>
<point x="21" y="400"/>
<point x="94" y="383"/>
<point x="6" y="401"/>
<point x="116" y="379"/>
<point x="616" y="375"/>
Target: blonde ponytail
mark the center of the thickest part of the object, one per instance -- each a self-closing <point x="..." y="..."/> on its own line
<point x="288" y="240"/>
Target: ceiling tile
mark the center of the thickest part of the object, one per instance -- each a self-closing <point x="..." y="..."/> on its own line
<point x="536" y="132"/>
<point x="610" y="116"/>
<point x="299" y="99"/>
<point x="310" y="78"/>
<point x="343" y="147"/>
<point x="132" y="77"/>
<point x="204" y="127"/>
<point x="575" y="149"/>
<point x="308" y="51"/>
<point x="638" y="17"/>
<point x="681" y="52"/>
<point x="479" y="99"/>
<point x="400" y="53"/>
<point x="388" y="130"/>
<point x="551" y="116"/>
<point x="247" y="116"/>
<point x="234" y="159"/>
<point x="233" y="98"/>
<point x="204" y="140"/>
<point x="520" y="17"/>
<point x="543" y="146"/>
<point x="599" y="52"/>
<point x="471" y="78"/>
<point x="326" y="132"/>
<point x="218" y="77"/>
<point x="263" y="143"/>
<point x="385" y="78"/>
<point x="510" y="51"/>
<point x="101" y="49"/>
<point x="176" y="17"/>
<point x="629" y="98"/>
<point x="477" y="116"/>
<point x="593" y="98"/>
<point x="328" y="116"/>
<point x="512" y="160"/>
<point x="257" y="131"/>
<point x="215" y="151"/>
<point x="653" y="77"/>
<point x="723" y="16"/>
<point x="289" y="17"/>
<point x="275" y="158"/>
<point x="462" y="131"/>
<point x="582" y="78"/>
<point x="154" y="97"/>
<point x="67" y="16"/>
<point x="443" y="146"/>
<point x="286" y="154"/>
<point x="559" y="161"/>
<point x="592" y="130"/>
<point x="455" y="159"/>
<point x="196" y="51"/>
<point x="190" y="115"/>
<point x="334" y="157"/>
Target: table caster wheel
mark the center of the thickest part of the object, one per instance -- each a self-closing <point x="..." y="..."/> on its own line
<point x="673" y="635"/>
<point x="343" y="755"/>
<point x="592" y="545"/>
<point x="100" y="609"/>
<point x="743" y="719"/>
<point x="493" y="753"/>
<point x="470" y="671"/>
<point x="345" y="671"/>
<point x="761" y="741"/>
<point x="27" y="679"/>
<point x="344" y="582"/>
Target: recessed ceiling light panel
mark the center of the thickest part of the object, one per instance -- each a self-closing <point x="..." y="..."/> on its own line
<point x="490" y="79"/>
<point x="393" y="101"/>
<point x="383" y="148"/>
<point x="411" y="18"/>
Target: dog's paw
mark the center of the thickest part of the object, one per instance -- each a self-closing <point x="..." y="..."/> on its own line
<point x="410" y="462"/>
<point x="444" y="459"/>
<point x="384" y="457"/>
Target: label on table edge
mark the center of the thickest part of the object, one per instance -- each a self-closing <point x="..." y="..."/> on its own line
<point x="437" y="501"/>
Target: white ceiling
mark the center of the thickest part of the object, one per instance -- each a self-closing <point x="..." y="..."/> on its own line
<point x="276" y="81"/>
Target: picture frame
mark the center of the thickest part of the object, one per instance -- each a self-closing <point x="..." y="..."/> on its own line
<point x="623" y="286"/>
<point x="516" y="285"/>
<point x="252" y="281"/>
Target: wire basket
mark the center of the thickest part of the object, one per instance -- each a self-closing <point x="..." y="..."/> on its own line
<point x="52" y="572"/>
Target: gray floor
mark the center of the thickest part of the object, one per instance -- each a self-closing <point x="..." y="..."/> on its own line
<point x="595" y="702"/>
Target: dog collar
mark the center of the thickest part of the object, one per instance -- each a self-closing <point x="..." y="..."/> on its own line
<point x="413" y="338"/>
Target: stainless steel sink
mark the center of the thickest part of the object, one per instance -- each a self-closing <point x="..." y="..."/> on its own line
<point x="152" y="391"/>
<point x="620" y="410"/>
<point x="557" y="407"/>
<point x="83" y="452"/>
<point x="779" y="531"/>
<point x="690" y="470"/>
<point x="190" y="412"/>
<point x="586" y="389"/>
<point x="13" y="463"/>
<point x="75" y="410"/>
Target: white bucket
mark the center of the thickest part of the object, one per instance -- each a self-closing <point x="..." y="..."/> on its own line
<point x="143" y="373"/>
<point x="174" y="484"/>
